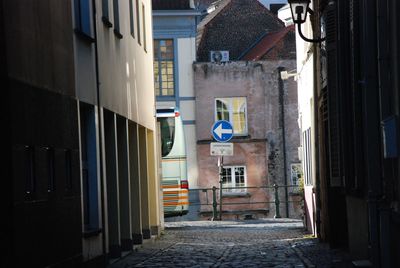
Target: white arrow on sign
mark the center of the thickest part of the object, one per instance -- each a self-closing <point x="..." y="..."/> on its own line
<point x="219" y="131"/>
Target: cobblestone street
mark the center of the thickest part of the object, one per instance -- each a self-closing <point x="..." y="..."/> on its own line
<point x="251" y="243"/>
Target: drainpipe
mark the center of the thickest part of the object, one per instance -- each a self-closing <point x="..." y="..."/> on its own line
<point x="371" y="123"/>
<point x="102" y="191"/>
<point x="315" y="148"/>
<point x="6" y="199"/>
<point x="315" y="129"/>
<point x="282" y="122"/>
<point x="384" y="72"/>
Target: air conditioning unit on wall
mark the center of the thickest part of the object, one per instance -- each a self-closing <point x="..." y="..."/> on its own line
<point x="219" y="56"/>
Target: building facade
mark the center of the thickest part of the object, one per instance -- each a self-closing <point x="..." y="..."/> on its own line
<point x="174" y="31"/>
<point x="248" y="95"/>
<point x="83" y="141"/>
<point x="306" y="103"/>
<point x="244" y="86"/>
<point x="355" y="120"/>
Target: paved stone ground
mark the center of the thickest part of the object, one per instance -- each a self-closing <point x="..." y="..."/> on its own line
<point x="251" y="243"/>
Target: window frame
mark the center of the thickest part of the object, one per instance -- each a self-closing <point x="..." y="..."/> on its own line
<point x="233" y="180"/>
<point x="89" y="170"/>
<point x="158" y="60"/>
<point x="296" y="171"/>
<point x="307" y="158"/>
<point x="132" y="18"/>
<point x="84" y="27"/>
<point x="144" y="27"/>
<point x="117" y="26"/>
<point x="105" y="5"/>
<point x="230" y="109"/>
<point x="139" y="39"/>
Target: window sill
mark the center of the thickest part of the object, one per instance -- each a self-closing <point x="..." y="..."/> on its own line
<point x="165" y="98"/>
<point x="241" y="136"/>
<point x="118" y="34"/>
<point x="106" y="22"/>
<point x="92" y="232"/>
<point x="84" y="36"/>
<point x="233" y="194"/>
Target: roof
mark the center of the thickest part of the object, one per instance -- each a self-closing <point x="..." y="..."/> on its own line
<point x="275" y="7"/>
<point x="277" y="45"/>
<point x="235" y="26"/>
<point x="203" y="4"/>
<point x="202" y="25"/>
<point x="171" y="4"/>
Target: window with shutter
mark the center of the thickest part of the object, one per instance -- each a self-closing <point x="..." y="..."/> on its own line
<point x="333" y="96"/>
<point x="357" y="181"/>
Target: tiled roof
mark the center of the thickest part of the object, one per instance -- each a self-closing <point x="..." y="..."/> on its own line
<point x="235" y="27"/>
<point x="171" y="4"/>
<point x="277" y="45"/>
<point x="202" y="25"/>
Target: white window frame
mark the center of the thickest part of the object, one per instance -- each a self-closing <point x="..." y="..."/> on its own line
<point x="307" y="158"/>
<point x="228" y="102"/>
<point x="233" y="180"/>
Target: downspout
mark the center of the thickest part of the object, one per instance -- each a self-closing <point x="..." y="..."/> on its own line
<point x="371" y="122"/>
<point x="282" y="122"/>
<point x="316" y="164"/>
<point x="384" y="72"/>
<point x="315" y="127"/>
<point x="6" y="205"/>
<point x="102" y="192"/>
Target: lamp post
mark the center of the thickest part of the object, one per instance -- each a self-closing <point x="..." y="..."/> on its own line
<point x="299" y="9"/>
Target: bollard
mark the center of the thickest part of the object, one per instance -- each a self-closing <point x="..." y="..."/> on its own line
<point x="277" y="213"/>
<point x="214" y="204"/>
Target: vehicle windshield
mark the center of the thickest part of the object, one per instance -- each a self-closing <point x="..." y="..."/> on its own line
<point x="167" y="126"/>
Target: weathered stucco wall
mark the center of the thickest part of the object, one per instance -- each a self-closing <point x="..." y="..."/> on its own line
<point x="261" y="151"/>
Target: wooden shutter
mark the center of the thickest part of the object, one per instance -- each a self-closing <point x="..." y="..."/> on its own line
<point x="358" y="175"/>
<point x="333" y="96"/>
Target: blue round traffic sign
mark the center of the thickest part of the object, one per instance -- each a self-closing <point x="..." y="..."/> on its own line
<point x="222" y="131"/>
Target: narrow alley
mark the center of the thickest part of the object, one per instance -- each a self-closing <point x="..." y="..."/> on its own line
<point x="280" y="118"/>
<point x="246" y="243"/>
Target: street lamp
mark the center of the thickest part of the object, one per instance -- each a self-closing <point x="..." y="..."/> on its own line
<point x="285" y="75"/>
<point x="299" y="9"/>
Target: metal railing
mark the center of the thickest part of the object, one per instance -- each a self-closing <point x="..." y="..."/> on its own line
<point x="257" y="197"/>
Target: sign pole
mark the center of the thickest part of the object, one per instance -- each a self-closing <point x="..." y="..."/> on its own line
<point x="222" y="131"/>
<point x="221" y="164"/>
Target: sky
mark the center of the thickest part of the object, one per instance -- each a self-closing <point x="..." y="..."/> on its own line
<point x="267" y="2"/>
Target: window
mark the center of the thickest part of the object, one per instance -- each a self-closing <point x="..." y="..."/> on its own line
<point x="307" y="157"/>
<point x="234" y="111"/>
<point x="167" y="126"/>
<point x="144" y="28"/>
<point x="164" y="83"/>
<point x="50" y="169"/>
<point x="117" y="29"/>
<point x="90" y="185"/>
<point x="68" y="171"/>
<point x="234" y="176"/>
<point x="295" y="172"/>
<point x="106" y="13"/>
<point x="30" y="182"/>
<point x="83" y="17"/>
<point x="132" y="18"/>
<point x="138" y="22"/>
